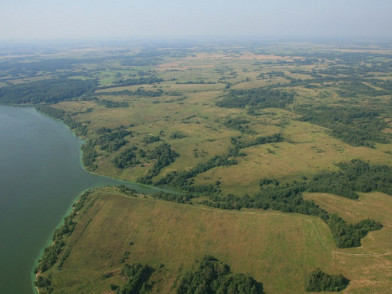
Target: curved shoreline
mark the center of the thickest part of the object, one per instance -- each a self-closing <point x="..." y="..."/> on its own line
<point x="143" y="188"/>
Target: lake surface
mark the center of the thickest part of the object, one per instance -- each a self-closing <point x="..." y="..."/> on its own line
<point x="40" y="177"/>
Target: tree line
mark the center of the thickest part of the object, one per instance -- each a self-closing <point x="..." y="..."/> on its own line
<point x="52" y="253"/>
<point x="288" y="198"/>
<point x="79" y="128"/>
<point x="240" y="144"/>
<point x="258" y="97"/>
<point x="139" y="92"/>
<point x="112" y="104"/>
<point x="138" y="81"/>
<point x="46" y="91"/>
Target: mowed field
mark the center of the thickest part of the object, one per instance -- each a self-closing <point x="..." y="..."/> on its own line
<point x="274" y="248"/>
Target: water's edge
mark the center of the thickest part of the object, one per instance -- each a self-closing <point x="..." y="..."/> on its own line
<point x="139" y="187"/>
<point x="149" y="188"/>
<point x="49" y="241"/>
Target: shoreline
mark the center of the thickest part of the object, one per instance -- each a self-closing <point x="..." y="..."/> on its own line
<point x="81" y="141"/>
<point x="68" y="213"/>
<point x="141" y="188"/>
<point x="50" y="240"/>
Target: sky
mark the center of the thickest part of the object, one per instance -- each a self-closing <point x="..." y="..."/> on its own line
<point x="120" y="19"/>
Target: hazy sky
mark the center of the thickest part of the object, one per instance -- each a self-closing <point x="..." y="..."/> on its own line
<point x="102" y="19"/>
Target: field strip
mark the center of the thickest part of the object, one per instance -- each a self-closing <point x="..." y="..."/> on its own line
<point x="264" y="213"/>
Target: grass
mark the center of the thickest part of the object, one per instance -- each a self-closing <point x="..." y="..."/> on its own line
<point x="366" y="266"/>
<point x="307" y="149"/>
<point x="275" y="248"/>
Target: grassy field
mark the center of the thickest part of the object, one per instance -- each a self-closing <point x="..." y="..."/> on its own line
<point x="274" y="248"/>
<point x="309" y="150"/>
<point x="329" y="104"/>
<point x="370" y="264"/>
<point x="199" y="80"/>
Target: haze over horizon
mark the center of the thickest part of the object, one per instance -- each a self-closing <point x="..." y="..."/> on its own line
<point x="26" y="20"/>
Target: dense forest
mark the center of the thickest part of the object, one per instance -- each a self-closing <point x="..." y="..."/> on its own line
<point x="356" y="88"/>
<point x="163" y="156"/>
<point x="353" y="125"/>
<point x="112" y="140"/>
<point x="354" y="176"/>
<point x="259" y="98"/>
<point x="46" y="91"/>
<point x="318" y="281"/>
<point x="212" y="276"/>
<point x="137" y="276"/>
<point x="89" y="154"/>
<point x="126" y="158"/>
